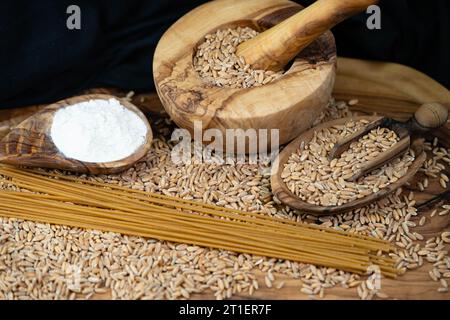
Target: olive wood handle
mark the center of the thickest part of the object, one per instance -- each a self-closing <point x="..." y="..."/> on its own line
<point x="429" y="116"/>
<point x="275" y="47"/>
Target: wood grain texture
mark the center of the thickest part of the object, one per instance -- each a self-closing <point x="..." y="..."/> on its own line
<point x="390" y="89"/>
<point x="274" y="48"/>
<point x="395" y="91"/>
<point x="282" y="192"/>
<point x="429" y="116"/>
<point x="30" y="142"/>
<point x="12" y="117"/>
<point x="290" y="103"/>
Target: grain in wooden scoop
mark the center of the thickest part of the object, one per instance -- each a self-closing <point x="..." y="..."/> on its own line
<point x="316" y="179"/>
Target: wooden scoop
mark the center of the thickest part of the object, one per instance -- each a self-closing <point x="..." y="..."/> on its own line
<point x="30" y="142"/>
<point x="281" y="191"/>
<point x="429" y="116"/>
<point x="275" y="47"/>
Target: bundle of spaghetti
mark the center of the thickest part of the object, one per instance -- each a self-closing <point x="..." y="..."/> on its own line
<point x="60" y="199"/>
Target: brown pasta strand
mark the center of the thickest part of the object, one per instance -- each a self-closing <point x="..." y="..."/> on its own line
<point x="191" y="202"/>
<point x="82" y="203"/>
<point x="378" y="242"/>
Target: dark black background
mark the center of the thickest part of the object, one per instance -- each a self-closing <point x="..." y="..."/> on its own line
<point x="400" y="309"/>
<point x="42" y="61"/>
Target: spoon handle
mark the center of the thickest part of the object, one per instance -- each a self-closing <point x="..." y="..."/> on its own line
<point x="429" y="116"/>
<point x="275" y="47"/>
<point x="343" y="145"/>
<point x="395" y="151"/>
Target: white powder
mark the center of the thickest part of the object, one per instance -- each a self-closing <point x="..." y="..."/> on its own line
<point x="97" y="131"/>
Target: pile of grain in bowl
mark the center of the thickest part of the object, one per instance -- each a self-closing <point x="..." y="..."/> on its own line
<point x="217" y="63"/>
<point x="316" y="179"/>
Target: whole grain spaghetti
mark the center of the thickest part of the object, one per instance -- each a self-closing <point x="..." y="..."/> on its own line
<point x="59" y="199"/>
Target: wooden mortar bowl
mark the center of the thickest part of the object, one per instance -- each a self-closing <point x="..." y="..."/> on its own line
<point x="30" y="143"/>
<point x="290" y="103"/>
<point x="281" y="191"/>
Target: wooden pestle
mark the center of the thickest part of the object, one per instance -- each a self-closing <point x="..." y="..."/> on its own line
<point x="275" y="47"/>
<point x="188" y="99"/>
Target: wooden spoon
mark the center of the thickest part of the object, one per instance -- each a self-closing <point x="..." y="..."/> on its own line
<point x="281" y="191"/>
<point x="428" y="117"/>
<point x="30" y="143"/>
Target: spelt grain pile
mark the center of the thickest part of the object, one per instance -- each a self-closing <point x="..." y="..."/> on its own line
<point x="217" y="63"/>
<point x="40" y="261"/>
<point x="314" y="178"/>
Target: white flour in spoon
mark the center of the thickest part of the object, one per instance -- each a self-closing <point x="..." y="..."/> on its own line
<point x="97" y="131"/>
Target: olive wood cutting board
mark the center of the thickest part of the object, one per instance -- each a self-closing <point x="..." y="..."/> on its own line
<point x="389" y="89"/>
